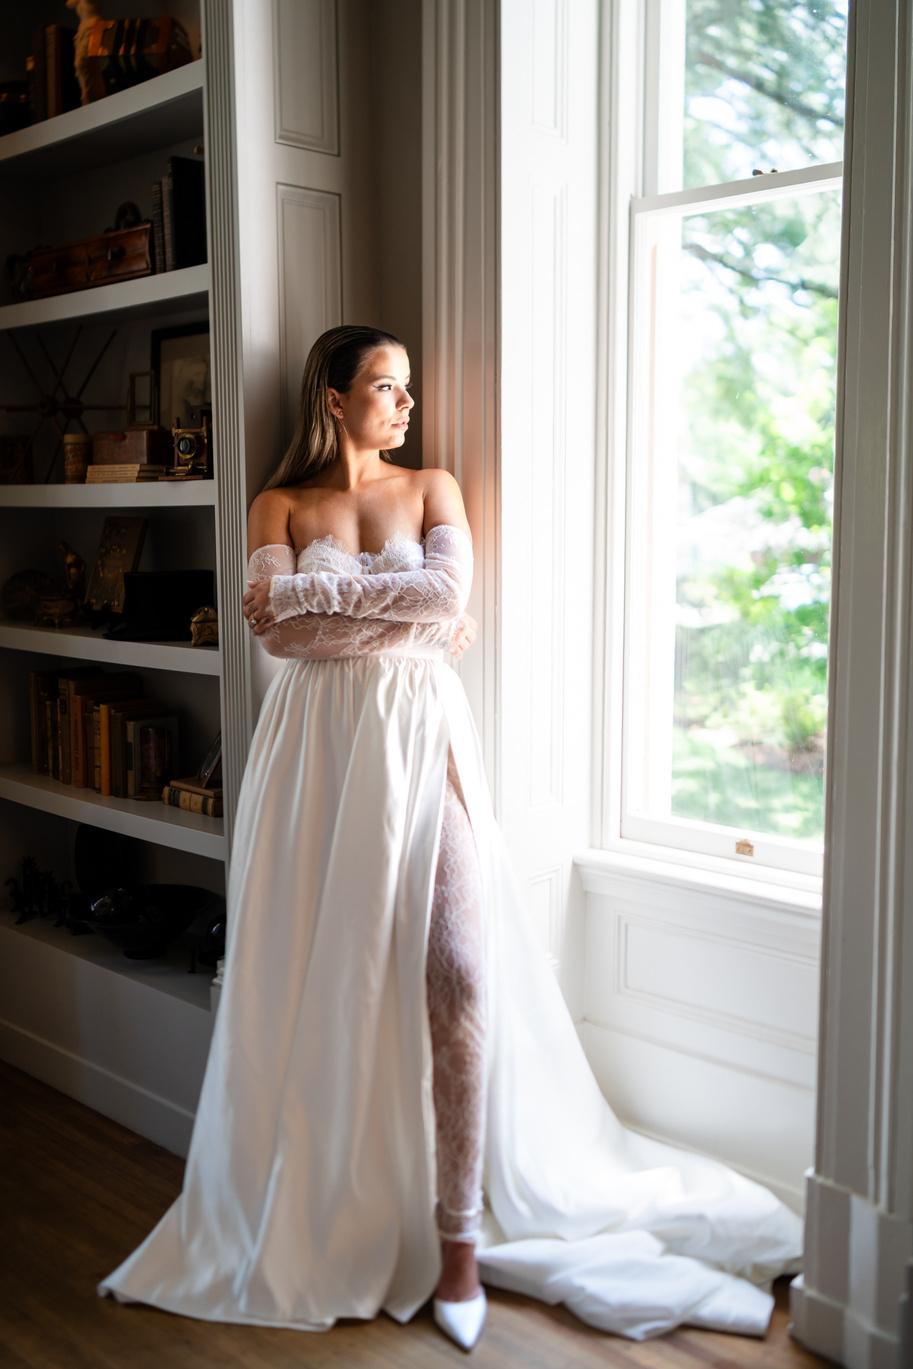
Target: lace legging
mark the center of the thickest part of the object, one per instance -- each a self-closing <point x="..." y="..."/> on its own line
<point x="456" y="1011"/>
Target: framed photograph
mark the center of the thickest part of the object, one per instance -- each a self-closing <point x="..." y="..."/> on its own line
<point x="180" y="360"/>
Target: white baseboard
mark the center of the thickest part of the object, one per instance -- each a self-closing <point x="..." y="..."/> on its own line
<point x="156" y="1118"/>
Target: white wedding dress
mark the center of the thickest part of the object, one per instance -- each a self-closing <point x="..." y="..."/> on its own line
<point x="310" y="1185"/>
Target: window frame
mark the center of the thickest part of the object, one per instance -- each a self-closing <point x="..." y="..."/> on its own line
<point x="639" y="90"/>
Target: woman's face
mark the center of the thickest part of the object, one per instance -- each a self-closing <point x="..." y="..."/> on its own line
<point x="374" y="412"/>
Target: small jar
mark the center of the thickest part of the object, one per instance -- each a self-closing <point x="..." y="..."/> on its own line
<point x="77" y="453"/>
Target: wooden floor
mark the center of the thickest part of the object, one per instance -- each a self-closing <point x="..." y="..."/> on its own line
<point x="78" y="1192"/>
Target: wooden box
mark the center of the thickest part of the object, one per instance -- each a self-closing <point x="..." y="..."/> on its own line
<point x="133" y="446"/>
<point x="120" y="255"/>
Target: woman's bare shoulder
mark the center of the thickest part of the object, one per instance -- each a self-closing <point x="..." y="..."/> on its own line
<point x="442" y="499"/>
<point x="268" y="519"/>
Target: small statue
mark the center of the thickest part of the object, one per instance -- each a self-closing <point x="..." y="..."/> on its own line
<point x="89" y="12"/>
<point x="204" y="627"/>
<point x="74" y="573"/>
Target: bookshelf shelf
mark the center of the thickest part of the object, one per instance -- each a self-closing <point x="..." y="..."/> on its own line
<point x="172" y="292"/>
<point x="167" y="974"/>
<point x="151" y="495"/>
<point x="84" y="644"/>
<point x="153" y="822"/>
<point x="168" y="109"/>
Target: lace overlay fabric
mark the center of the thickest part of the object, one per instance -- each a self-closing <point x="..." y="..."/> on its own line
<point x="436" y="589"/>
<point x="455" y="976"/>
<point x="313" y="635"/>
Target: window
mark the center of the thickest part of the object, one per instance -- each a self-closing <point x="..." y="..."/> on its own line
<point x="735" y="247"/>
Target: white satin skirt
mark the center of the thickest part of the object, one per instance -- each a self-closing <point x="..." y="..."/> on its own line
<point x="310" y="1186"/>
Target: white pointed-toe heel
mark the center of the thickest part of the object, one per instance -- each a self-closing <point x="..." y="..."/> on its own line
<point x="462" y="1321"/>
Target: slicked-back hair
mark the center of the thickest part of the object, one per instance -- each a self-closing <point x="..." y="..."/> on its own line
<point x="333" y="363"/>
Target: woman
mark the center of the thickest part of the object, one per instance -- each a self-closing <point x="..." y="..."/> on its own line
<point x="388" y="1026"/>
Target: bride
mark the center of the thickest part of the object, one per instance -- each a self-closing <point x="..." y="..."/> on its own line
<point x="391" y="1043"/>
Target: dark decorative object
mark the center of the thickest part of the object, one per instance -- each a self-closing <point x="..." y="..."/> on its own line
<point x="143" y="920"/>
<point x="159" y="604"/>
<point x="209" y="947"/>
<point x="40" y="895"/>
<point x="55" y="608"/>
<point x="15" y="461"/>
<point x="193" y="448"/>
<point x="55" y="405"/>
<point x="204" y="627"/>
<point x="14" y="106"/>
<point x="20" y="594"/>
<point x="75" y="571"/>
<point x="118" y="554"/>
<point x="115" y="255"/>
<point x="122" y="52"/>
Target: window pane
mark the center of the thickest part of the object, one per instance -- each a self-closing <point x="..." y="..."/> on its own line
<point x="764" y="86"/>
<point x="757" y="316"/>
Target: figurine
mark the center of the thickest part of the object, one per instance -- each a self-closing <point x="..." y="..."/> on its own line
<point x="204" y="627"/>
<point x="74" y="572"/>
<point x="89" y="12"/>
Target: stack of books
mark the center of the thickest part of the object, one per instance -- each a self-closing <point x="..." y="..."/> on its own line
<point x="193" y="797"/>
<point x="179" y="216"/>
<point x="88" y="731"/>
<point x="125" y="473"/>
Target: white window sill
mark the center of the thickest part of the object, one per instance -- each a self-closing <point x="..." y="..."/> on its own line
<point x="777" y="890"/>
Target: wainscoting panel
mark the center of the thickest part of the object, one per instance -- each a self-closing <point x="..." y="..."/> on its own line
<point x="310" y="281"/>
<point x="305" y="74"/>
<point x="700" y="1016"/>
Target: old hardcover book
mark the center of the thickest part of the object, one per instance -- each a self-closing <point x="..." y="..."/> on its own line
<point x="86" y="693"/>
<point x="40" y="685"/>
<point x="140" y="782"/>
<point x="193" y="786"/>
<point x="113" y="721"/>
<point x="158" y="228"/>
<point x="208" y="804"/>
<point x="51" y="728"/>
<point x="65" y="685"/>
<point x="184" y="213"/>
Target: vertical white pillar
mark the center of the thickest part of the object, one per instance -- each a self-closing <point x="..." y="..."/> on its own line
<point x="853" y="1303"/>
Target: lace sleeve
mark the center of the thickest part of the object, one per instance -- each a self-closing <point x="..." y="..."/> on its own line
<point x="322" y="637"/>
<point x="437" y="592"/>
<point x="327" y="637"/>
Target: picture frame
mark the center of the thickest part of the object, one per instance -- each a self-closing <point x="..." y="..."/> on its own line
<point x="181" y="362"/>
<point x="119" y="550"/>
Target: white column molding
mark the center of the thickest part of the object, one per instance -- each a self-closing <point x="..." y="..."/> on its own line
<point x="460" y="305"/>
<point x="853" y="1299"/>
<point x="227" y="390"/>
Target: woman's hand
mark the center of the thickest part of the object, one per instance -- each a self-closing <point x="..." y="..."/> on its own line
<point x="256" y="606"/>
<point x="465" y="636"/>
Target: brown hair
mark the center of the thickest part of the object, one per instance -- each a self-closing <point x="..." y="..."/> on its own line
<point x="333" y="363"/>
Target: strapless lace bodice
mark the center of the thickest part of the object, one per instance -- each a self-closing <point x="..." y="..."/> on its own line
<point x="328" y="601"/>
<point x="329" y="554"/>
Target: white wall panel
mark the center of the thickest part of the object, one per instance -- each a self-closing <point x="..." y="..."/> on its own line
<point x="310" y="282"/>
<point x="549" y="126"/>
<point x="700" y="1013"/>
<point x="760" y="1126"/>
<point x="549" y="67"/>
<point x="305" y="79"/>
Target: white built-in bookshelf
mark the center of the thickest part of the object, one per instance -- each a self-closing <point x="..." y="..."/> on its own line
<point x="116" y="144"/>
